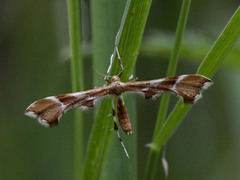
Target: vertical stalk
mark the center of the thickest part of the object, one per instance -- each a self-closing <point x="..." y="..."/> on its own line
<point x="210" y="64"/>
<point x="77" y="77"/>
<point x="131" y="28"/>
<point x="154" y="153"/>
<point x="173" y="62"/>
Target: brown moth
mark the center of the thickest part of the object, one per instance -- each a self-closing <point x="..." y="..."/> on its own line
<point x="49" y="110"/>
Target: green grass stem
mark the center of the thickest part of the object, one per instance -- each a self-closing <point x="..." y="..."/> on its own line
<point x="131" y="28"/>
<point x="173" y="63"/>
<point x="209" y="66"/>
<point x="77" y="78"/>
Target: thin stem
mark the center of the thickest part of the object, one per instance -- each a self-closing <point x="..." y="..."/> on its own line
<point x="219" y="50"/>
<point x="133" y="25"/>
<point x="77" y="77"/>
<point x="173" y="62"/>
<point x="152" y="161"/>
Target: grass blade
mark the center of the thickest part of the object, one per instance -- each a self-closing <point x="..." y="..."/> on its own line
<point x="106" y="16"/>
<point x="132" y="28"/>
<point x="219" y="50"/>
<point x="77" y="78"/>
<point x="173" y="62"/>
<point x="171" y="72"/>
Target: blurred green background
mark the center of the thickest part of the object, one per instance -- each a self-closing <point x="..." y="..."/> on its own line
<point x="34" y="49"/>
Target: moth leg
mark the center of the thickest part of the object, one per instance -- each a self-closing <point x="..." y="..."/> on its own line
<point x="117" y="129"/>
<point x="118" y="55"/>
<point x="109" y="69"/>
<point x="120" y="61"/>
<point x="112" y="59"/>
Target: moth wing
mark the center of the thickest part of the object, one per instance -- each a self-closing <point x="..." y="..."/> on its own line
<point x="187" y="87"/>
<point x="49" y="110"/>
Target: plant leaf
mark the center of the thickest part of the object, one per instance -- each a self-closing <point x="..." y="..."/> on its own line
<point x="219" y="50"/>
<point x="130" y="37"/>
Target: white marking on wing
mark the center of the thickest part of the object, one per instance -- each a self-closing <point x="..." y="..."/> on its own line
<point x="43" y="122"/>
<point x="53" y="98"/>
<point x="145" y="89"/>
<point x="90" y="98"/>
<point x="156" y="82"/>
<point x="83" y="108"/>
<point x="197" y="97"/>
<point x="31" y="114"/>
<point x="78" y="94"/>
<point x="206" y="85"/>
<point x="59" y="117"/>
<point x="156" y="95"/>
<point x="180" y="78"/>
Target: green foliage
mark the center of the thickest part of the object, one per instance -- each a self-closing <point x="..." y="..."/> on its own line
<point x="130" y="36"/>
<point x="77" y="77"/>
<point x="153" y="156"/>
<point x="209" y="66"/>
<point x="34" y="65"/>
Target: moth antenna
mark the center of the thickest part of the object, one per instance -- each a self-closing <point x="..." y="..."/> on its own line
<point x="116" y="129"/>
<point x="104" y="75"/>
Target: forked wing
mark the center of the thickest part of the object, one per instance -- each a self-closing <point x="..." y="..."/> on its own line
<point x="187" y="87"/>
<point x="49" y="110"/>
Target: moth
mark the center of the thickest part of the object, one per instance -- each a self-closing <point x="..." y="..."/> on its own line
<point x="49" y="110"/>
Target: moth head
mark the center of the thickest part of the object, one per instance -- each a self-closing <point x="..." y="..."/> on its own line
<point x="116" y="86"/>
<point x="115" y="79"/>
